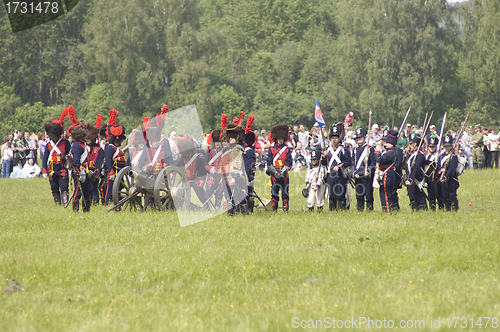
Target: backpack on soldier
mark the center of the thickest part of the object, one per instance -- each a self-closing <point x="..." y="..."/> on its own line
<point x="461" y="165"/>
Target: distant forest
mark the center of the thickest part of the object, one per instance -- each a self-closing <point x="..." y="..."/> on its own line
<point x="268" y="58"/>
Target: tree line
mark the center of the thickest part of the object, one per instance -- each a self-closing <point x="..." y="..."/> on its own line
<point x="268" y="58"/>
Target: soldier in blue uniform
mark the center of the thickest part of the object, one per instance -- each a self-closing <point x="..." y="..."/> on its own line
<point x="54" y="159"/>
<point x="447" y="176"/>
<point x="387" y="160"/>
<point x="113" y="155"/>
<point x="338" y="159"/>
<point x="250" y="159"/>
<point x="363" y="169"/>
<point x="95" y="157"/>
<point x="279" y="162"/>
<point x="414" y="175"/>
<point x="430" y="169"/>
<point x="80" y="153"/>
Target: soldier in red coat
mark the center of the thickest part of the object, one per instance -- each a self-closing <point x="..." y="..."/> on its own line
<point x="279" y="162"/>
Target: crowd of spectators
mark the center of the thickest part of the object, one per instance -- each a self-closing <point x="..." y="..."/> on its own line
<point x="21" y="153"/>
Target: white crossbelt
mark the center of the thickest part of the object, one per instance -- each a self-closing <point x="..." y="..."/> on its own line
<point x="55" y="148"/>
<point x="361" y="159"/>
<point x="135" y="161"/>
<point x="335" y="156"/>
<point x="280" y="152"/>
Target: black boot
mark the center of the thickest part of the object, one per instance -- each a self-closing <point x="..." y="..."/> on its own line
<point x="440" y="204"/>
<point x="103" y="201"/>
<point x="333" y="204"/>
<point x="251" y="205"/>
<point x="57" y="198"/>
<point x="454" y="204"/>
<point x="95" y="200"/>
<point x="342" y="204"/>
<point x="86" y="205"/>
<point x="230" y="211"/>
<point x="447" y="205"/>
<point x="423" y="207"/>
<point x="65" y="197"/>
<point x="320" y="209"/>
<point x="76" y="206"/>
<point x="311" y="209"/>
<point x="360" y="204"/>
<point x="369" y="206"/>
<point x="285" y="205"/>
<point x="432" y="206"/>
<point x="414" y="206"/>
<point x="274" y="204"/>
<point x="244" y="209"/>
<point x="474" y="166"/>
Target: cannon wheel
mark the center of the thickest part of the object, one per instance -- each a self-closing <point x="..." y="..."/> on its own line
<point x="124" y="186"/>
<point x="178" y="189"/>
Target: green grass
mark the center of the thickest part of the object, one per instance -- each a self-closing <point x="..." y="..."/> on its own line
<point x="142" y="271"/>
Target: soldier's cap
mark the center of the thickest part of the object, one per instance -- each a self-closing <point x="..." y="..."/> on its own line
<point x="375" y="126"/>
<point x="432" y="126"/>
<point x="477" y="126"/>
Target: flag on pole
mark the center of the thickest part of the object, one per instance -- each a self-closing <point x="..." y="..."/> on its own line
<point x="318" y="115"/>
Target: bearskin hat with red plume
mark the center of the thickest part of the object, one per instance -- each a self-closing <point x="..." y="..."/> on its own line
<point x="279" y="131"/>
<point x="55" y="126"/>
<point x="78" y="130"/>
<point x="234" y="130"/>
<point x="154" y="126"/>
<point x="113" y="130"/>
<point x="186" y="145"/>
<point x="136" y="138"/>
<point x="249" y="134"/>
<point x="94" y="129"/>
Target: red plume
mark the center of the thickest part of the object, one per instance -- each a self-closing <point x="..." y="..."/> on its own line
<point x="235" y="120"/>
<point x="249" y="124"/>
<point x="72" y="116"/>
<point x="209" y="138"/>
<point x="98" y="121"/>
<point x="223" y="123"/>
<point x="348" y="120"/>
<point x="164" y="109"/>
<point x="112" y="117"/>
<point x="63" y="116"/>
<point x="145" y="125"/>
<point x="241" y="118"/>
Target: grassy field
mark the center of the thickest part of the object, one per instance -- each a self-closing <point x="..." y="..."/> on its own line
<point x="142" y="271"/>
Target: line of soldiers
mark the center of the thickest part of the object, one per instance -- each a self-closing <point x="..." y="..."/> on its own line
<point x="92" y="168"/>
<point x="334" y="167"/>
<point x="226" y="170"/>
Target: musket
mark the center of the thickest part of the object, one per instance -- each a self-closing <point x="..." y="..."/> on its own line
<point x="69" y="158"/>
<point x="441" y="133"/>
<point x="406" y="151"/>
<point x="368" y="141"/>
<point x="404" y="120"/>
<point x="455" y="145"/>
<point x="426" y="126"/>
<point x="254" y="194"/>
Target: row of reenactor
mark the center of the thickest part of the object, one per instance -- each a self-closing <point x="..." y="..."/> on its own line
<point x="92" y="168"/>
<point x="334" y="168"/>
